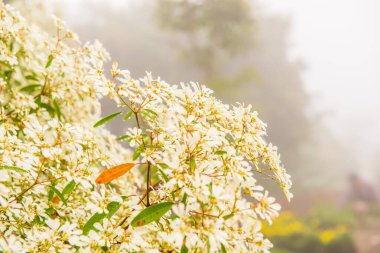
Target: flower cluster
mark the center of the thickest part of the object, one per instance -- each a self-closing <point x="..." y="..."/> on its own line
<point x="191" y="173"/>
<point x="49" y="151"/>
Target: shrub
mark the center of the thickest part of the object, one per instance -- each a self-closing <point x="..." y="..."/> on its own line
<point x="187" y="183"/>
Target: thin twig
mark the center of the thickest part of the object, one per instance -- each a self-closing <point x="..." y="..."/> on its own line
<point x="148" y="185"/>
<point x="205" y="214"/>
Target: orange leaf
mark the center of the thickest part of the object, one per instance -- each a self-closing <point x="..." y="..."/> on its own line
<point x="55" y="200"/>
<point x="113" y="173"/>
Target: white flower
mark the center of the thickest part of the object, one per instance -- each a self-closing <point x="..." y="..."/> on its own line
<point x="53" y="224"/>
<point x="200" y="154"/>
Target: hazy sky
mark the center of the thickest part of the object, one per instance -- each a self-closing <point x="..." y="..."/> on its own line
<point x="340" y="42"/>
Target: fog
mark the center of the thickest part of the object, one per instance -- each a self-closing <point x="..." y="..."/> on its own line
<point x="339" y="41"/>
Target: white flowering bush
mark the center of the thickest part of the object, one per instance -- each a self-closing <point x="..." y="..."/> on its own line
<point x="186" y="184"/>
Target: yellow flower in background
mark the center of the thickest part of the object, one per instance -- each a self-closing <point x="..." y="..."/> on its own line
<point x="286" y="224"/>
<point x="326" y="236"/>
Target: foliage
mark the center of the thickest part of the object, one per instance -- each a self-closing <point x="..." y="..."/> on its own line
<point x="313" y="233"/>
<point x="327" y="216"/>
<point x="213" y="27"/>
<point x="192" y="181"/>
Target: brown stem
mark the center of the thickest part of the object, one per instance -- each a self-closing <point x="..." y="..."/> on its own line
<point x="9" y="113"/>
<point x="31" y="186"/>
<point x="148" y="185"/>
<point x="122" y="100"/>
<point x="137" y="120"/>
<point x="205" y="214"/>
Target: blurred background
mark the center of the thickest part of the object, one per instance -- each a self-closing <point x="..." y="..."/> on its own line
<point x="310" y="68"/>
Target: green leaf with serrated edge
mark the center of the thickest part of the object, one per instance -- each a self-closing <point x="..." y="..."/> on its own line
<point x="112" y="208"/>
<point x="138" y="152"/>
<point x="59" y="194"/>
<point x="50" y="59"/>
<point x="97" y="217"/>
<point x="106" y="119"/>
<point x="14" y="168"/>
<point x="151" y="213"/>
<point x="31" y="88"/>
<point x="128" y="115"/>
<point x="220" y="152"/>
<point x="68" y="188"/>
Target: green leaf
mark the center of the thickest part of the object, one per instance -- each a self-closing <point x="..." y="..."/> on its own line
<point x="31" y="88"/>
<point x="223" y="248"/>
<point x="150" y="111"/>
<point x="39" y="220"/>
<point x="57" y="109"/>
<point x="97" y="217"/>
<point x="112" y="208"/>
<point x="184" y="249"/>
<point x="151" y="213"/>
<point x="50" y="211"/>
<point x="147" y="113"/>
<point x="14" y="168"/>
<point x="184" y="198"/>
<point x="193" y="165"/>
<point x="146" y="139"/>
<point x="228" y="216"/>
<point x="128" y="115"/>
<point x="123" y="137"/>
<point x="50" y="59"/>
<point x="48" y="108"/>
<point x="220" y="152"/>
<point x="164" y="176"/>
<point x="59" y="194"/>
<point x="68" y="188"/>
<point x="138" y="152"/>
<point x="50" y="195"/>
<point x="106" y="119"/>
<point x="31" y="77"/>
